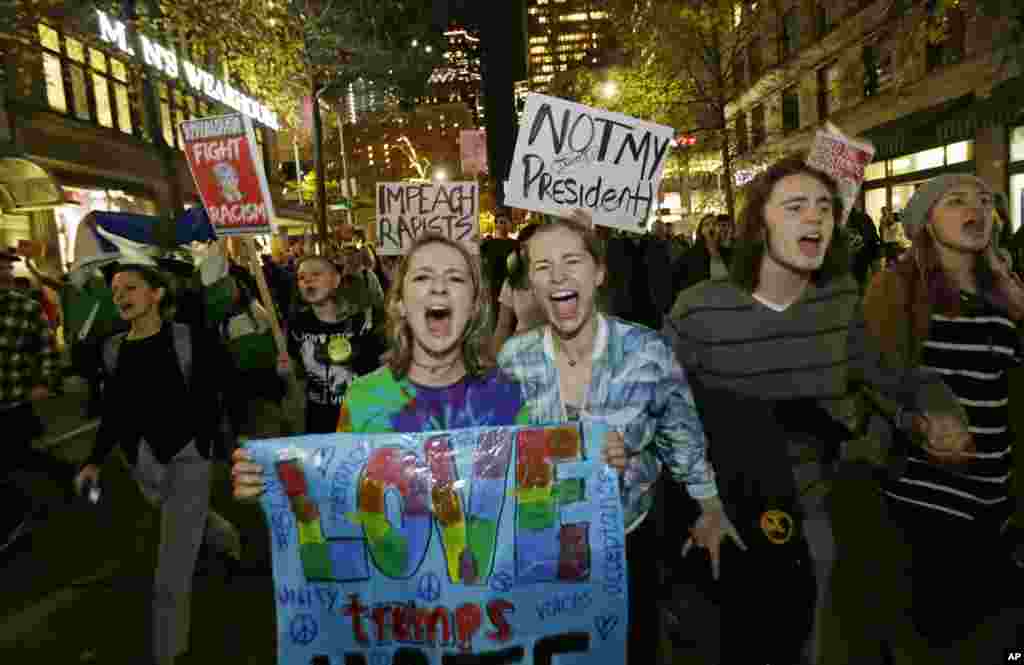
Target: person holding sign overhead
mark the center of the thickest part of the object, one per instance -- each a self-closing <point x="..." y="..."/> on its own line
<point x="584" y="366"/>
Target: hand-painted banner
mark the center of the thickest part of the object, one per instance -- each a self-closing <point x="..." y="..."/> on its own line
<point x="407" y="210"/>
<point x="844" y="159"/>
<point x="505" y="543"/>
<point x="222" y="154"/>
<point x="570" y="156"/>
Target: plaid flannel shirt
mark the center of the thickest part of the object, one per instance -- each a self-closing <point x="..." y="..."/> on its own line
<point x="28" y="354"/>
<point x="637" y="388"/>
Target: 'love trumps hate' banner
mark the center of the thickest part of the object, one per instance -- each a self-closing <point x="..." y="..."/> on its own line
<point x="571" y="156"/>
<point x="495" y="545"/>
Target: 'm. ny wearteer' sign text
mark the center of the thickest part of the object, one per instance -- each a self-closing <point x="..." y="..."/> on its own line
<point x="167" y="61"/>
<point x="408" y="210"/>
<point x="571" y="156"/>
<point x="221" y="153"/>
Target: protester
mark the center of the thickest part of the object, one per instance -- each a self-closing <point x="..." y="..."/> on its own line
<point x="710" y="255"/>
<point x="333" y="338"/>
<point x="518" y="311"/>
<point x="29" y="372"/>
<point x="583" y="366"/>
<point x="953" y="307"/>
<point x="162" y="407"/>
<point x="786" y="327"/>
<point x="440" y="375"/>
<point x="256" y="389"/>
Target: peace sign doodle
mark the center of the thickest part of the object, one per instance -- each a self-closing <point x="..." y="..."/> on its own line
<point x="429" y="589"/>
<point x="303" y="629"/>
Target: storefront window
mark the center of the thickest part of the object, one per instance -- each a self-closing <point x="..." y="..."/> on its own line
<point x="919" y="161"/>
<point x="1016" y="199"/>
<point x="875" y="171"/>
<point x="69" y="217"/>
<point x="874" y="201"/>
<point x="959" y="152"/>
<point x="901" y="195"/>
<point x="1017" y="144"/>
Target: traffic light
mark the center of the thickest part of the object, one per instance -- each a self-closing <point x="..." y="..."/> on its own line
<point x="682" y="141"/>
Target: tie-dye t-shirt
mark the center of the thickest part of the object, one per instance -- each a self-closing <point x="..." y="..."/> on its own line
<point x="378" y="403"/>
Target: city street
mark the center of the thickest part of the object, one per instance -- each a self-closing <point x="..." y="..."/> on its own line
<point x="79" y="590"/>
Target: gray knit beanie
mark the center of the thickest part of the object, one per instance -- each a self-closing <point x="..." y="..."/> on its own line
<point x="927" y="195"/>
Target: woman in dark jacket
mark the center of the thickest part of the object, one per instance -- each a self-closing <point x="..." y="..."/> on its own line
<point x="162" y="407"/>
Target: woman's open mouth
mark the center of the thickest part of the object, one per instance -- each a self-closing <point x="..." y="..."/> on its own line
<point x="566" y="303"/>
<point x="810" y="245"/>
<point x="439" y="320"/>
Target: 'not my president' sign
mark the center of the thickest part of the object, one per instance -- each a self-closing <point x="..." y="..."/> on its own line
<point x="571" y="156"/>
<point x="408" y="210"/>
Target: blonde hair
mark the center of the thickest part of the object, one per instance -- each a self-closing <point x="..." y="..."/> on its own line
<point x="474" y="346"/>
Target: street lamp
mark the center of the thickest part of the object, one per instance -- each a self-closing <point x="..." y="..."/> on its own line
<point x="440" y="175"/>
<point x="609" y="89"/>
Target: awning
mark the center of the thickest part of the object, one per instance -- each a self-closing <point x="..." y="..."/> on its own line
<point x="1005" y="106"/>
<point x="928" y="128"/>
<point x="26" y="186"/>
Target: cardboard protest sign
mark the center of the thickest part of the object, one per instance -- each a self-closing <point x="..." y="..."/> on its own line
<point x="502" y="542"/>
<point x="407" y="210"/>
<point x="473" y="151"/>
<point x="844" y="159"/>
<point x="228" y="172"/>
<point x="572" y="156"/>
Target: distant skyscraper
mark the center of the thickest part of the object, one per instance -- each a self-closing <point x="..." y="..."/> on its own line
<point x="363" y="98"/>
<point x="458" y="79"/>
<point x="563" y="36"/>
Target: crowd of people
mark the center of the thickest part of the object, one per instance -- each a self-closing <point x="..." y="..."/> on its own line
<point x="784" y="316"/>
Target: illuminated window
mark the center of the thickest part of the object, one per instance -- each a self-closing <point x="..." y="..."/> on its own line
<point x="542" y="19"/>
<point x="124" y="111"/>
<point x="100" y="88"/>
<point x="919" y="161"/>
<point x="166" y="122"/>
<point x="875" y="171"/>
<point x="959" y="152"/>
<point x="598" y="15"/>
<point x="1017" y="144"/>
<point x="79" y="92"/>
<point x="52" y="73"/>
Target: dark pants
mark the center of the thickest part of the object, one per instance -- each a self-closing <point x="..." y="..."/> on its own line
<point x="960" y="571"/>
<point x="642" y="552"/>
<point x="20" y="425"/>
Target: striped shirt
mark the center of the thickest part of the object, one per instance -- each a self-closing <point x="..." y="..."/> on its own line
<point x="972" y="353"/>
<point x="728" y="340"/>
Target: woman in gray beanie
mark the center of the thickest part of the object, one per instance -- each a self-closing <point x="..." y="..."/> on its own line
<point x="953" y="306"/>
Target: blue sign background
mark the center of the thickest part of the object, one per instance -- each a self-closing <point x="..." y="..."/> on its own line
<point x="415" y="548"/>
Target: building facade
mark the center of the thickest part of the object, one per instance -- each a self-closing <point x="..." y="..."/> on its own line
<point x="563" y="35"/>
<point x="458" y="79"/>
<point x="948" y="103"/>
<point x="76" y="135"/>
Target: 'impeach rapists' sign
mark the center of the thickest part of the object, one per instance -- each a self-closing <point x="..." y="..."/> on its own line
<point x="408" y="210"/>
<point x="572" y="156"/>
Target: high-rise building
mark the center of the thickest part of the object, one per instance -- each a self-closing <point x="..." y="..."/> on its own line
<point x="363" y="98"/>
<point x="458" y="79"/>
<point x="564" y="35"/>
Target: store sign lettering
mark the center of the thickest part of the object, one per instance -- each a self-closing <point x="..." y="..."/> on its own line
<point x="155" y="55"/>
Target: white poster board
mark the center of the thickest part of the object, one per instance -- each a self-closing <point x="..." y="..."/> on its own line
<point x="407" y="210"/>
<point x="571" y="156"/>
<point x="844" y="159"/>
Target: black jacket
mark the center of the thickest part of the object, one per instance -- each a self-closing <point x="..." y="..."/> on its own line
<point x="209" y="377"/>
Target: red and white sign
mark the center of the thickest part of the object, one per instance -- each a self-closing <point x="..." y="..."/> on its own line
<point x="222" y="154"/>
<point x="473" y="150"/>
<point x="845" y="160"/>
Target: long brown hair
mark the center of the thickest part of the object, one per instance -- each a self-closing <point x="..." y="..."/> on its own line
<point x="751" y="239"/>
<point x="475" y="354"/>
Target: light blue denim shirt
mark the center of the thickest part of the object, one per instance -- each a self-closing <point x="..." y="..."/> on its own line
<point x="637" y="388"/>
